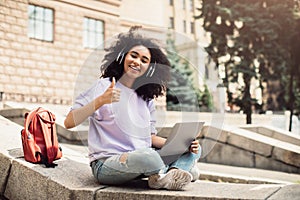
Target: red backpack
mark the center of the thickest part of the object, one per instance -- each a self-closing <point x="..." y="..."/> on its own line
<point x="39" y="138"/>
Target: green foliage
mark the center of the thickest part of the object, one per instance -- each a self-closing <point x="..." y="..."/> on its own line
<point x="205" y="99"/>
<point x="181" y="94"/>
<point x="251" y="40"/>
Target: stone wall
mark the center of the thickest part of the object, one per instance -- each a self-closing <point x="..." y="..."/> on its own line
<point x="33" y="70"/>
<point x="237" y="147"/>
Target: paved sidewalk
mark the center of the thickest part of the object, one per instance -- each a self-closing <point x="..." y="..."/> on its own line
<point x="224" y="173"/>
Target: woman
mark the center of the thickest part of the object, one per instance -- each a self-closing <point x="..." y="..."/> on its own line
<point x="121" y="109"/>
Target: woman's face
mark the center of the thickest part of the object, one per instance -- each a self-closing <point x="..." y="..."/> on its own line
<point x="137" y="61"/>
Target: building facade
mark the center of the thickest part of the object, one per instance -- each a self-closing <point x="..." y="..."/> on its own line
<point x="51" y="50"/>
<point x="42" y="45"/>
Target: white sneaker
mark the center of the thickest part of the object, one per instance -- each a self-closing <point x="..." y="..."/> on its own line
<point x="195" y="173"/>
<point x="175" y="179"/>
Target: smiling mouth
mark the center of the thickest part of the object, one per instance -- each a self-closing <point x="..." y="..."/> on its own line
<point x="134" y="68"/>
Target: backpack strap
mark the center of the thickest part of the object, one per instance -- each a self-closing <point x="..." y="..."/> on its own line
<point x="51" y="149"/>
<point x="28" y="119"/>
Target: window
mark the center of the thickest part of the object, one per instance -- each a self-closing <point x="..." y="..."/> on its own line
<point x="171" y="3"/>
<point x="184" y="26"/>
<point x="192" y="27"/>
<point x="171" y="22"/>
<point x="183" y="4"/>
<point x="93" y="33"/>
<point x="40" y="23"/>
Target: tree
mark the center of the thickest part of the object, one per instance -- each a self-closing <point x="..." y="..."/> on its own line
<point x="181" y="95"/>
<point x="293" y="46"/>
<point x="205" y="99"/>
<point x="249" y="40"/>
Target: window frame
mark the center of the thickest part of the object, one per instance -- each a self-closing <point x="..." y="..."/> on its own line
<point x="43" y="18"/>
<point x="91" y="34"/>
<point x="171" y="23"/>
<point x="192" y="27"/>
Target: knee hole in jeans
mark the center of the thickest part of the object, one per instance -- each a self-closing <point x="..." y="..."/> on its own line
<point x="123" y="158"/>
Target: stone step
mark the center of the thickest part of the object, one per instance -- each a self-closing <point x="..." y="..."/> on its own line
<point x="228" y="174"/>
<point x="273" y="132"/>
<point x="222" y="145"/>
<point x="72" y="179"/>
<point x="232" y="174"/>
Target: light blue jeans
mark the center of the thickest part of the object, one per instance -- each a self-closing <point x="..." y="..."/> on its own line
<point x="143" y="162"/>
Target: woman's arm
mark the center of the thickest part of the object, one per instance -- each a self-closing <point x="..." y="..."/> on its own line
<point x="158" y="142"/>
<point x="77" y="116"/>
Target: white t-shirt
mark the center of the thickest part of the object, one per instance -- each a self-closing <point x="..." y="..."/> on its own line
<point x="119" y="127"/>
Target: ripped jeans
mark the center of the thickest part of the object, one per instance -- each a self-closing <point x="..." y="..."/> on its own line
<point x="122" y="168"/>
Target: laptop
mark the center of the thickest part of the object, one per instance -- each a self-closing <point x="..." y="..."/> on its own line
<point x="179" y="140"/>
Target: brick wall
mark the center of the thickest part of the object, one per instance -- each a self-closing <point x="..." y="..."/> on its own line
<point x="49" y="72"/>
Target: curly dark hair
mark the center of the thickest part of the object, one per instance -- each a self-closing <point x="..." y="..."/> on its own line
<point x="146" y="87"/>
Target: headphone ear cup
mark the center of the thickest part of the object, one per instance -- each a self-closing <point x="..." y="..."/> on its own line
<point x="151" y="70"/>
<point x="120" y="57"/>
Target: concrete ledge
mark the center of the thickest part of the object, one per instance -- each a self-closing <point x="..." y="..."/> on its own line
<point x="5" y="170"/>
<point x="289" y="192"/>
<point x="197" y="190"/>
<point x="232" y="174"/>
<point x="223" y="146"/>
<point x="274" y="133"/>
<point x="220" y="145"/>
<point x="72" y="179"/>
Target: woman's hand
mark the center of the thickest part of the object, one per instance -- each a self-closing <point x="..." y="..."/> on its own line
<point x="157" y="141"/>
<point x="111" y="94"/>
<point x="76" y="117"/>
<point x="194" y="148"/>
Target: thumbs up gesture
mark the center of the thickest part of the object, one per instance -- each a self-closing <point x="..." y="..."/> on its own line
<point x="111" y="94"/>
<point x="113" y="82"/>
